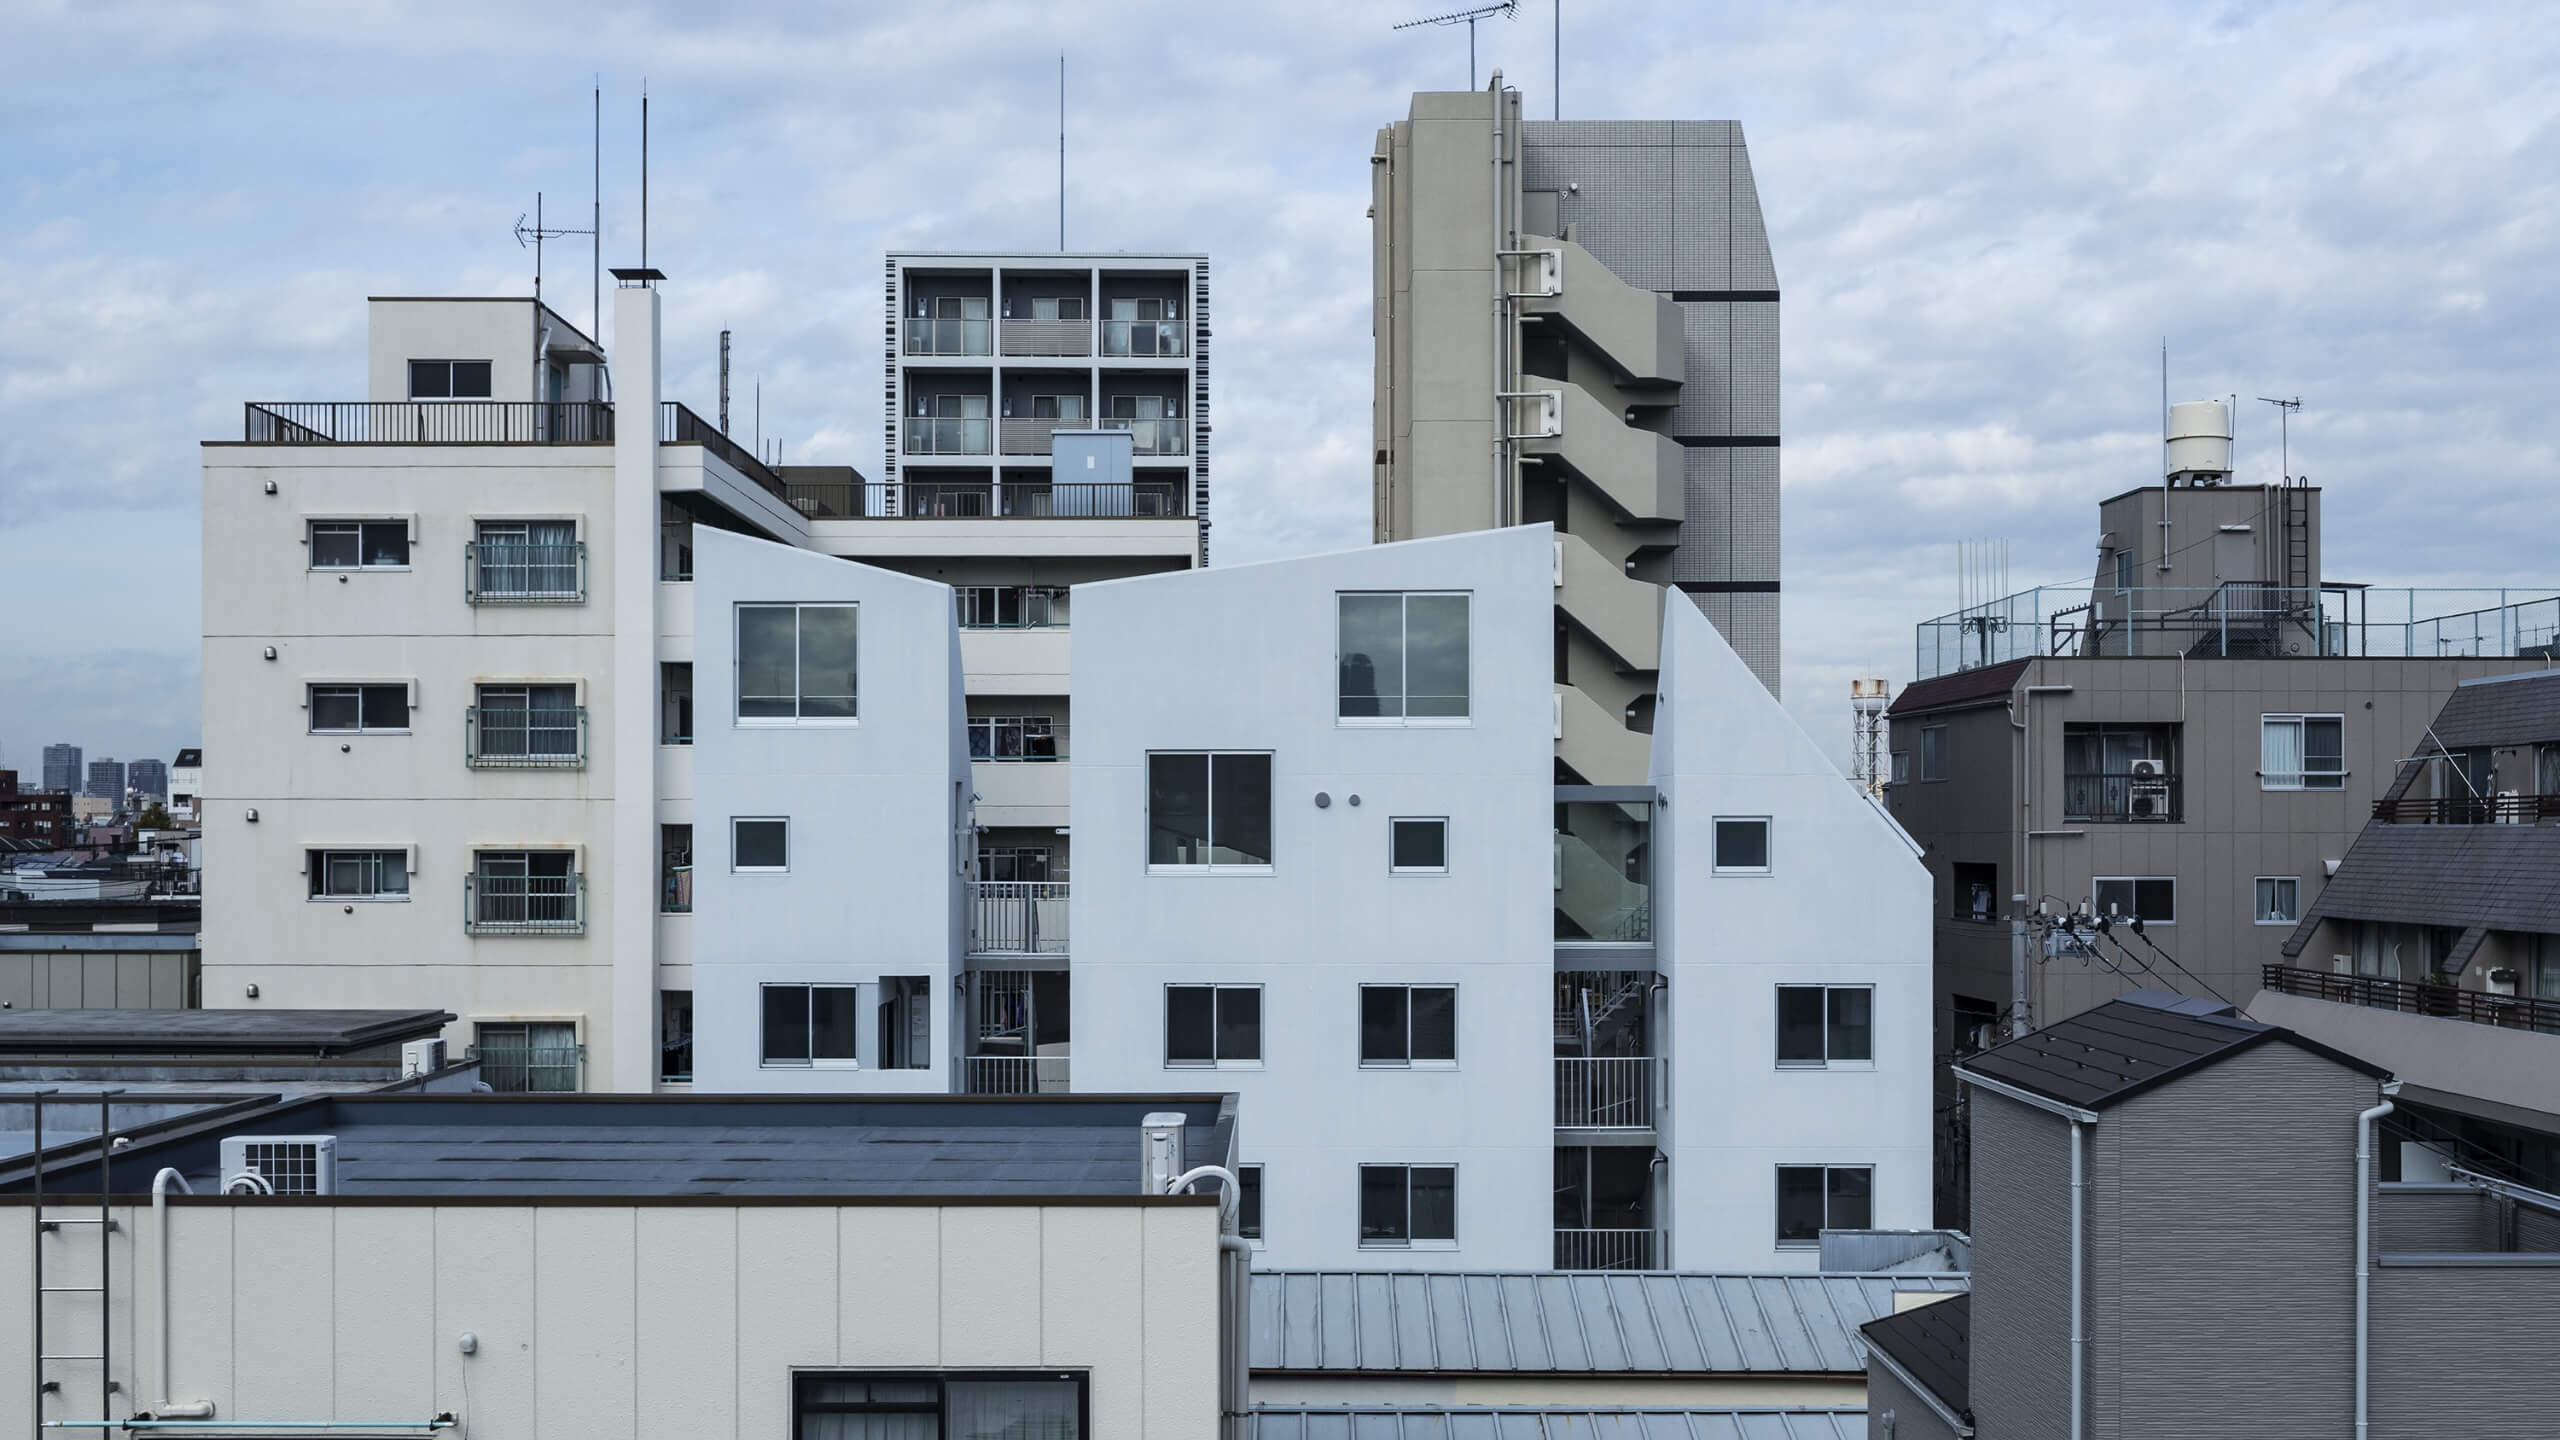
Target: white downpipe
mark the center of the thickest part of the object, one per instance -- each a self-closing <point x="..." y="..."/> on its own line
<point x="2079" y="1279"/>
<point x="169" y="1409"/>
<point x="1236" y="1254"/>
<point x="2364" y="1243"/>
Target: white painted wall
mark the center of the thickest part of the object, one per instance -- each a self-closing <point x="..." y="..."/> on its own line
<point x="1243" y="658"/>
<point x="682" y="1320"/>
<point x="876" y="870"/>
<point x="1847" y="902"/>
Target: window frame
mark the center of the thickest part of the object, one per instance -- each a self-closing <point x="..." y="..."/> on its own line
<point x="667" y="1075"/>
<point x="1404" y="718"/>
<point x="1768" y="844"/>
<point x="313" y="525"/>
<point x="1217" y="1027"/>
<point x="1410" y="1241"/>
<point x="1898" y="768"/>
<point x="809" y="1018"/>
<point x="1027" y="729"/>
<point x="316" y="875"/>
<point x="488" y="378"/>
<point x="1945" y="767"/>
<point x="1249" y="1206"/>
<point x="1393" y="821"/>
<point x="799" y="657"/>
<point x="2303" y="780"/>
<point x="737" y="820"/>
<point x="2293" y="916"/>
<point x="1825" y="1168"/>
<point x="1829" y="1022"/>
<point x="805" y="1382"/>
<point x="312" y="689"/>
<point x="1209" y="815"/>
<point x="1410" y="1060"/>
<point x="577" y="1050"/>
<point x="2137" y="881"/>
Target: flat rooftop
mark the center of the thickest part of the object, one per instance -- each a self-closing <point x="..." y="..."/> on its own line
<point x="315" y="1033"/>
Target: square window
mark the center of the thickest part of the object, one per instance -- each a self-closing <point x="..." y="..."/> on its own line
<point x="1815" y="1198"/>
<point x="1418" y="846"/>
<point x="2302" y="752"/>
<point x="534" y="1057"/>
<point x="797" y="664"/>
<point x="1206" y="1026"/>
<point x="1208" y="811"/>
<point x="1407" y="1205"/>
<point x="1742" y="846"/>
<point x="1401" y="658"/>
<point x="2279" y="900"/>
<point x="1823" y="1025"/>
<point x="810" y="1024"/>
<point x="1408" y="1025"/>
<point x="759" y="845"/>
<point x="2152" y="899"/>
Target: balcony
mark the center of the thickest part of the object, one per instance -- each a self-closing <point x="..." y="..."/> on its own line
<point x="949" y="500"/>
<point x="1144" y="339"/>
<point x="2443" y="1001"/>
<point x="1048" y="337"/>
<point x="1018" y="917"/>
<point x="948" y="337"/>
<point x="2128" y="797"/>
<point x="1610" y="1249"/>
<point x="1031" y="437"/>
<point x="1606" y="1092"/>
<point x="2503" y="808"/>
<point x="524" y="904"/>
<point x="494" y="573"/>
<point x="1013" y="1074"/>
<point x="428" y="422"/>
<point x="947" y="434"/>
<point x="1162" y="436"/>
<point x="514" y="738"/>
<point x="680" y="426"/>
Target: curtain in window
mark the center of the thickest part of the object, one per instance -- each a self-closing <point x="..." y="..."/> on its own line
<point x="2280" y="752"/>
<point x="870" y="1427"/>
<point x="1010" y="1410"/>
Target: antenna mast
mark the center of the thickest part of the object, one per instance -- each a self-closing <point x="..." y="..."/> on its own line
<point x="537" y="234"/>
<point x="2284" y="432"/>
<point x="644" y="172"/>
<point x="1062" y="152"/>
<point x="1508" y="9"/>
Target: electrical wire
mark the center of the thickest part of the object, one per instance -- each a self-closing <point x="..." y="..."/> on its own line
<point x="2183" y="970"/>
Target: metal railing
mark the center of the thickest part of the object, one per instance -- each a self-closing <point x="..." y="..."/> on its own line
<point x="1143" y="338"/>
<point x="1609" y="1249"/>
<point x="2444" y="1001"/>
<point x="524" y="904"/>
<point x="1048" y="337"/>
<point x="1018" y="917"/>
<point x="1031" y="436"/>
<point x="2121" y="797"/>
<point x="953" y="500"/>
<point x="1013" y="1074"/>
<point x="501" y="573"/>
<point x="1605" y="1092"/>
<point x="428" y="422"/>
<point x="929" y="336"/>
<point x="680" y="426"/>
<point x="2504" y="808"/>
<point x="1151" y="437"/>
<point x="503" y="738"/>
<point x="2241" y="619"/>
<point x="946" y="434"/>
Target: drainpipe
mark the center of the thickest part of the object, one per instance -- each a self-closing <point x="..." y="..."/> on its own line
<point x="1235" y="1296"/>
<point x="2364" y="1241"/>
<point x="2079" y="1277"/>
<point x="169" y="1409"/>
<point x="1501" y="324"/>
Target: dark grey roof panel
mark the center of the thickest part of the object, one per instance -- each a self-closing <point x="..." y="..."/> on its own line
<point x="2128" y="1045"/>
<point x="1934" y="1345"/>
<point x="1549" y="1423"/>
<point x="211" y="1031"/>
<point x="2501" y="710"/>
<point x="2498" y="877"/>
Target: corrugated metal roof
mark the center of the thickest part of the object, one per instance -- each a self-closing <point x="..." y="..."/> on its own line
<point x="1524" y="1423"/>
<point x="1551" y="1323"/>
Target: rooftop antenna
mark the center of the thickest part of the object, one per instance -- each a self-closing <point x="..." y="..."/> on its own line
<point x="1558" y="86"/>
<point x="724" y="382"/>
<point x="595" y="225"/>
<point x="644" y="172"/>
<point x="1062" y="152"/>
<point x="537" y="234"/>
<point x="2284" y="432"/>
<point x="1508" y="9"/>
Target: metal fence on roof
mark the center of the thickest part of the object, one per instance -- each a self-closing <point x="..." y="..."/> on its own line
<point x="1523" y="1423"/>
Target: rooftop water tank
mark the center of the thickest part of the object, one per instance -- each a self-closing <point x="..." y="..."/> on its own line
<point x="2199" y="443"/>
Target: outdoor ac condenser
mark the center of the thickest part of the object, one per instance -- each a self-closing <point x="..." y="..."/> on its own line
<point x="280" y="1165"/>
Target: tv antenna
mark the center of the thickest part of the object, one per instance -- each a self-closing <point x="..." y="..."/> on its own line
<point x="2284" y="432"/>
<point x="1508" y="9"/>
<point x="594" y="232"/>
<point x="536" y="233"/>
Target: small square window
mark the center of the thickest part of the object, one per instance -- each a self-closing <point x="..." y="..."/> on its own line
<point x="1207" y="1026"/>
<point x="1409" y="1206"/>
<point x="759" y="846"/>
<point x="1409" y="1025"/>
<point x="1742" y="846"/>
<point x="1418" y="846"/>
<point x="2279" y="900"/>
<point x="1826" y="1025"/>
<point x="1815" y="1198"/>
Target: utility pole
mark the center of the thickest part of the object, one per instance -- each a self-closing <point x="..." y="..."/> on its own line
<point x="2018" y="1004"/>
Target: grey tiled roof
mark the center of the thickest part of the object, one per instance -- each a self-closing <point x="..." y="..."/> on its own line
<point x="1473" y="1422"/>
<point x="2501" y="710"/>
<point x="2126" y="1046"/>
<point x="1934" y="1345"/>
<point x="2496" y="877"/>
<point x="1547" y="1323"/>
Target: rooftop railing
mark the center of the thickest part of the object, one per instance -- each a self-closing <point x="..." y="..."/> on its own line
<point x="2240" y="620"/>
<point x="2499" y="809"/>
<point x="954" y="500"/>
<point x="428" y="422"/>
<point x="680" y="426"/>
<point x="2444" y="1001"/>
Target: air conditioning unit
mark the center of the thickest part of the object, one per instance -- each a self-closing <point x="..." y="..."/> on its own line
<point x="421" y="1057"/>
<point x="2146" y="769"/>
<point x="2146" y="805"/>
<point x="280" y="1165"/>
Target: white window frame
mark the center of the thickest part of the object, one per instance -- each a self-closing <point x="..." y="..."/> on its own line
<point x="1411" y="1241"/>
<point x="312" y="525"/>
<point x="1212" y="867"/>
<point x="2292" y="919"/>
<point x="1395" y="820"/>
<point x="311" y="709"/>
<point x="1360" y="1034"/>
<point x="809" y="993"/>
<point x="1260" y="1028"/>
<point x="1826" y="1167"/>
<point x="316" y="863"/>
<point x="2303" y="779"/>
<point x="2098" y="908"/>
<point x="737" y="820"/>
<point x="799" y="695"/>
<point x="1769" y="843"/>
<point x="1404" y="666"/>
<point x="1827" y="1062"/>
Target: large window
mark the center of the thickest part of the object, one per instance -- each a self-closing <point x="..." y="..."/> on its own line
<point x="1212" y="1025"/>
<point x="1013" y="737"/>
<point x="811" y="1024"/>
<point x="2151" y="899"/>
<point x="359" y="874"/>
<point x="359" y="709"/>
<point x="1815" y="1198"/>
<point x="1742" y="845"/>
<point x="795" y="664"/>
<point x="1933" y="753"/>
<point x="760" y="846"/>
<point x="1402" y="658"/>
<point x="980" y="1405"/>
<point x="527" y="725"/>
<point x="2120" y="774"/>
<point x="525" y="892"/>
<point x="1418" y="846"/>
<point x="1824" y="1025"/>
<point x="526" y="560"/>
<point x="2302" y="752"/>
<point x="1412" y="1026"/>
<point x="528" y="1056"/>
<point x="1208" y="811"/>
<point x="2279" y="900"/>
<point x="448" y="379"/>
<point x="1409" y="1206"/>
<point x="359" y="544"/>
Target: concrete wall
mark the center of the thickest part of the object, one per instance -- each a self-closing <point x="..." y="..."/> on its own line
<point x="876" y="864"/>
<point x="669" y="1318"/>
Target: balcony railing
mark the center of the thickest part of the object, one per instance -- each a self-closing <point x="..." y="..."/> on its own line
<point x="1151" y="437"/>
<point x="524" y="904"/>
<point x="947" y="434"/>
<point x="429" y="422"/>
<point x="947" y="337"/>
<point x="1609" y="1249"/>
<point x="1605" y="1092"/>
<point x="1031" y="437"/>
<point x="1019" y="917"/>
<point x="2500" y="809"/>
<point x="2445" y="1001"/>
<point x="2121" y="797"/>
<point x="1013" y="1074"/>
<point x="680" y="426"/>
<point x="1048" y="337"/>
<point x="1143" y="338"/>
<point x="499" y="573"/>
<point x="497" y="738"/>
<point x="950" y="500"/>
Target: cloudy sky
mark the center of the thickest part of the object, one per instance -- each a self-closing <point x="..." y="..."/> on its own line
<point x="1986" y="221"/>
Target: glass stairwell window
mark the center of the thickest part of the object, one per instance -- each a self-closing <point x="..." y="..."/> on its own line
<point x="526" y="562"/>
<point x="1604" y="872"/>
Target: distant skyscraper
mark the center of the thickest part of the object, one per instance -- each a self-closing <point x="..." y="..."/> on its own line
<point x="148" y="777"/>
<point x="62" y="767"/>
<point x="106" y="779"/>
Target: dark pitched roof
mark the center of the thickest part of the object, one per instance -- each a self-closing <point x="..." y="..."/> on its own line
<point x="1964" y="687"/>
<point x="1933" y="1344"/>
<point x="2494" y="877"/>
<point x="211" y="1032"/>
<point x="2129" y="1045"/>
<point x="190" y="757"/>
<point x="2501" y="710"/>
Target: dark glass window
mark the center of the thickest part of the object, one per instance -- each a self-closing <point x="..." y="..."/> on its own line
<point x="1401" y="656"/>
<point x="1815" y="1198"/>
<point x="1408" y="1024"/>
<point x="2151" y="899"/>
<point x="1821" y="1025"/>
<point x="1419" y="846"/>
<point x="448" y="379"/>
<point x="1208" y="810"/>
<point x="344" y="708"/>
<point x="359" y="544"/>
<point x="1211" y="1024"/>
<point x="1742" y="844"/>
<point x="759" y="844"/>
<point x="796" y="662"/>
<point x="1249" y="1201"/>
<point x="1402" y="1204"/>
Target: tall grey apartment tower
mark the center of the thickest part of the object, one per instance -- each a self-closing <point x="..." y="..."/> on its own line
<point x="1577" y="324"/>
<point x="106" y="779"/>
<point x="62" y="767"/>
